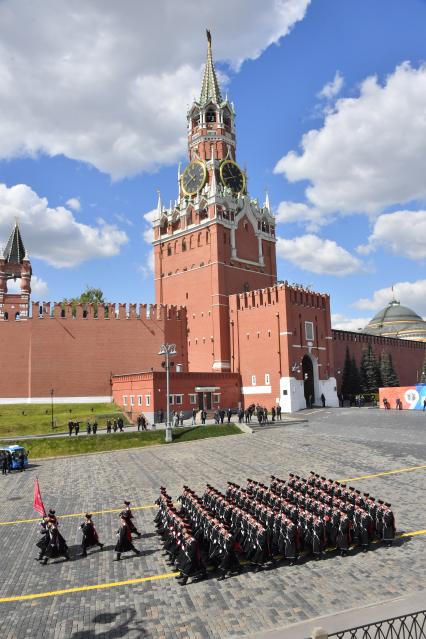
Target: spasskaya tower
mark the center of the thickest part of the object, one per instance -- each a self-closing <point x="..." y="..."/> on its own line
<point x="214" y="240"/>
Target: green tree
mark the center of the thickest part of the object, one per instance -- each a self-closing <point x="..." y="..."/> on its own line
<point x="369" y="371"/>
<point x="91" y="295"/>
<point x="350" y="378"/>
<point x="423" y="374"/>
<point x="387" y="371"/>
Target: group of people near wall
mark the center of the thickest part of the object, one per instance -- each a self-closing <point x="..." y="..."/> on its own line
<point x="52" y="544"/>
<point x="266" y="524"/>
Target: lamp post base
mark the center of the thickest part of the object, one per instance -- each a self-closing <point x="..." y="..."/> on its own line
<point x="169" y="436"/>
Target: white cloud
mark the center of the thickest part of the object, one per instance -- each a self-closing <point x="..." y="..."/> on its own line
<point x="147" y="269"/>
<point x="39" y="288"/>
<point x="74" y="204"/>
<point x="148" y="233"/>
<point x="110" y="86"/>
<point x="403" y="232"/>
<point x="301" y="213"/>
<point x="53" y="234"/>
<point x="411" y="294"/>
<point x="371" y="151"/>
<point x="333" y="88"/>
<point x="312" y="253"/>
<point x="123" y="218"/>
<point x="348" y="323"/>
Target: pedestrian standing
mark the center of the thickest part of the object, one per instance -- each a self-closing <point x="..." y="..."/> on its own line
<point x="88" y="427"/>
<point x="95" y="427"/>
<point x="4" y="465"/>
<point x="70" y="427"/>
<point x="76" y="428"/>
<point x="194" y="417"/>
<point x="273" y="413"/>
<point x="108" y="426"/>
<point x="323" y="400"/>
<point x="181" y="417"/>
<point x="278" y="412"/>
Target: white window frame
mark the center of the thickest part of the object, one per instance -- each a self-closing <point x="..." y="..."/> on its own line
<point x="309" y="331"/>
<point x="132" y="400"/>
<point x="192" y="398"/>
<point x="139" y="400"/>
<point x="124" y="400"/>
<point x="216" y="398"/>
<point x="178" y="400"/>
<point x="267" y="379"/>
<point x="253" y="380"/>
<point x="148" y="400"/>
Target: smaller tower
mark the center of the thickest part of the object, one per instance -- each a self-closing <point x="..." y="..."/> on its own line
<point x="15" y="264"/>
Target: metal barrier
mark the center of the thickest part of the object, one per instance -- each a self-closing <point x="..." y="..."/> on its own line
<point x="411" y="626"/>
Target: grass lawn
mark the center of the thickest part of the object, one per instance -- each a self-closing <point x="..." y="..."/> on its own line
<point x="55" y="447"/>
<point x="36" y="419"/>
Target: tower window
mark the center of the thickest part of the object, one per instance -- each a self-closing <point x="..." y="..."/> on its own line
<point x="183" y="245"/>
<point x="211" y="116"/>
<point x="169" y="250"/>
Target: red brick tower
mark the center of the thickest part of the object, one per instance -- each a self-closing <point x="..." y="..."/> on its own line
<point x="214" y="241"/>
<point x="14" y="263"/>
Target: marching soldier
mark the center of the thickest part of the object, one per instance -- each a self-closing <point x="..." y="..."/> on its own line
<point x="90" y="535"/>
<point x="124" y="533"/>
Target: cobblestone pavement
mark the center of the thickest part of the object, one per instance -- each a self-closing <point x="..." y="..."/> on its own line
<point x="339" y="443"/>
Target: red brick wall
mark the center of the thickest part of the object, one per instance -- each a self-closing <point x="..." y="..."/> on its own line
<point x="76" y="357"/>
<point x="407" y="356"/>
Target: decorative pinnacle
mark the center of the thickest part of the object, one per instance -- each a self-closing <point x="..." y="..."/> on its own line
<point x="210" y="89"/>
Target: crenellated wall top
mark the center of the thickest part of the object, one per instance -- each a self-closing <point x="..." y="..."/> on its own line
<point x="110" y="311"/>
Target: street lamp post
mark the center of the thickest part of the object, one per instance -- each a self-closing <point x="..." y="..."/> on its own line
<point x="167" y="350"/>
<point x="51" y="407"/>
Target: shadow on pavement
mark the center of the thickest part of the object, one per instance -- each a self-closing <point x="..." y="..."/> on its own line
<point x="124" y="621"/>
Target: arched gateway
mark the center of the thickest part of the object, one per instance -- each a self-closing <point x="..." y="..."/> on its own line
<point x="308" y="380"/>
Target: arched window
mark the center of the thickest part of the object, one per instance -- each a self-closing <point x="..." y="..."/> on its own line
<point x="211" y="116"/>
<point x="199" y="239"/>
<point x="169" y="249"/>
<point x="6" y="315"/>
<point x="207" y="237"/>
<point x="183" y="245"/>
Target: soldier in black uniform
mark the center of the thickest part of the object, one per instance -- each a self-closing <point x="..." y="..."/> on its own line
<point x="56" y="546"/>
<point x="44" y="541"/>
<point x="132" y="526"/>
<point x="90" y="535"/>
<point x="124" y="533"/>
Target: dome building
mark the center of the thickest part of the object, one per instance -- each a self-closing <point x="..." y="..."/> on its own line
<point x="398" y="321"/>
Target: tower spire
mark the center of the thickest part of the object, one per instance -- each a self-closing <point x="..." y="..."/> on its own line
<point x="210" y="89"/>
<point x="15" y="251"/>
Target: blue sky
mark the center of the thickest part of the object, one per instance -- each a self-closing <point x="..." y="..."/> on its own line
<point x="330" y="99"/>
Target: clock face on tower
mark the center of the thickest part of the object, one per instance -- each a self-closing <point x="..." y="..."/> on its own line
<point x="194" y="177"/>
<point x="232" y="176"/>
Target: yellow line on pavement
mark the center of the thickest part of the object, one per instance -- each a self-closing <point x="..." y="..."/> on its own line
<point x="413" y="534"/>
<point x="66" y="591"/>
<point x="388" y="472"/>
<point x="94" y="512"/>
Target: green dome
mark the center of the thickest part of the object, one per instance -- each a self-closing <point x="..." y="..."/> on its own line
<point x="399" y="321"/>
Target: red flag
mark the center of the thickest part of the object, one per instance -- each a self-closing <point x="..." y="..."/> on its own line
<point x="38" y="502"/>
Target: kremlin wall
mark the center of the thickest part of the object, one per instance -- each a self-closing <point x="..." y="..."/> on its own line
<point x="241" y="337"/>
